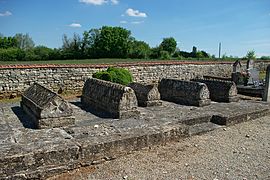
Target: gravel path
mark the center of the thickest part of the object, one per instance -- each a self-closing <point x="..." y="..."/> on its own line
<point x="237" y="152"/>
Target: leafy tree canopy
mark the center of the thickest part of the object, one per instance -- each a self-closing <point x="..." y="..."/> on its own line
<point x="169" y="45"/>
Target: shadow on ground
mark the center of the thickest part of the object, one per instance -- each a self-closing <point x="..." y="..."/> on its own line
<point x="23" y="117"/>
<point x="93" y="111"/>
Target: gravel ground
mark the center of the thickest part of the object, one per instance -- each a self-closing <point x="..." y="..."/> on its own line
<point x="237" y="152"/>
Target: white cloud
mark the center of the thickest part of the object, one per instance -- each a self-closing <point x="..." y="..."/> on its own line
<point x="123" y="22"/>
<point x="137" y="22"/>
<point x="99" y="2"/>
<point x="94" y="2"/>
<point x="135" y="13"/>
<point x="115" y="1"/>
<point x="75" y="25"/>
<point x="7" y="13"/>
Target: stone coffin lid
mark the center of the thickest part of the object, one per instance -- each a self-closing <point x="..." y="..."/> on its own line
<point x="109" y="96"/>
<point x="185" y="89"/>
<point x="45" y="103"/>
<point x="146" y="91"/>
<point x="220" y="87"/>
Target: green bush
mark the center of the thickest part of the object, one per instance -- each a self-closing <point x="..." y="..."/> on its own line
<point x="115" y="75"/>
<point x="165" y="55"/>
<point x="104" y="75"/>
<point x="11" y="54"/>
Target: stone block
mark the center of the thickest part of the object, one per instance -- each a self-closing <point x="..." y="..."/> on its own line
<point x="114" y="99"/>
<point x="184" y="92"/>
<point x="220" y="90"/>
<point x="147" y="94"/>
<point x="45" y="108"/>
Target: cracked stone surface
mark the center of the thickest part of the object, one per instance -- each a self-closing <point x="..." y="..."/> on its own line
<point x="40" y="153"/>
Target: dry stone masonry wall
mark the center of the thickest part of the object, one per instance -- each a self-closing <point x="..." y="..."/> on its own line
<point x="15" y="79"/>
<point x="117" y="100"/>
<point x="45" y="108"/>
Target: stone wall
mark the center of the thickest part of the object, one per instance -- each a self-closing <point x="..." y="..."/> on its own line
<point x="15" y="79"/>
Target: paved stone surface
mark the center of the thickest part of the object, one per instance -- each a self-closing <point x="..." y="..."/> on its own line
<point x="28" y="153"/>
<point x="237" y="152"/>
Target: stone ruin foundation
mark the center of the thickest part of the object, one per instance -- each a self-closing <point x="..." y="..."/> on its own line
<point x="45" y="108"/>
<point x="117" y="100"/>
<point x="221" y="91"/>
<point x="147" y="94"/>
<point x="184" y="92"/>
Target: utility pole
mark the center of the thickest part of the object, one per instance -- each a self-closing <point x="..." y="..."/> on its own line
<point x="219" y="51"/>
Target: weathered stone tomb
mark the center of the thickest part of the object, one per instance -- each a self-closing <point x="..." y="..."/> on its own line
<point x="184" y="92"/>
<point x="220" y="91"/>
<point x="116" y="100"/>
<point x="147" y="94"/>
<point x="45" y="108"/>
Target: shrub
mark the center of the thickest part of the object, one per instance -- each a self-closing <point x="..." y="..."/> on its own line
<point x="115" y="75"/>
<point x="265" y="58"/>
<point x="165" y="55"/>
<point x="11" y="54"/>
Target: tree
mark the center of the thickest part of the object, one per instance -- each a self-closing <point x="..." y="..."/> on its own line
<point x="251" y="55"/>
<point x="71" y="48"/>
<point x="24" y="41"/>
<point x="43" y="53"/>
<point x="155" y="53"/>
<point x="7" y="42"/>
<point x="139" y="49"/>
<point x="169" y="45"/>
<point x="111" y="42"/>
<point x="205" y="54"/>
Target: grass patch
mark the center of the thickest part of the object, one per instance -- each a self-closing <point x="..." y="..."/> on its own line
<point x="80" y="61"/>
<point x="262" y="75"/>
<point x="13" y="100"/>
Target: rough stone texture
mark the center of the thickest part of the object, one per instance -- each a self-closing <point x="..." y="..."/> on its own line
<point x="45" y="108"/>
<point x="147" y="94"/>
<point x="117" y="100"/>
<point x="184" y="92"/>
<point x="220" y="91"/>
<point x="217" y="78"/>
<point x="266" y="95"/>
<point x="13" y="81"/>
<point x="37" y="154"/>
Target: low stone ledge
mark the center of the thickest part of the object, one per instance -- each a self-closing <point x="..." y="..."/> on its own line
<point x="220" y="90"/>
<point x="221" y="119"/>
<point x="45" y="108"/>
<point x="117" y="100"/>
<point x="184" y="92"/>
<point x="147" y="94"/>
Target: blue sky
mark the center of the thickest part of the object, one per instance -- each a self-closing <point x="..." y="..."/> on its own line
<point x="240" y="25"/>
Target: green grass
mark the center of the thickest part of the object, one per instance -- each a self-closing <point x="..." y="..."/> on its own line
<point x="262" y="75"/>
<point x="79" y="61"/>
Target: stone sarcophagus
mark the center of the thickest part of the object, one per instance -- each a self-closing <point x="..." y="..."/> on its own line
<point x="114" y="99"/>
<point x="221" y="91"/>
<point x="184" y="92"/>
<point x="45" y="108"/>
<point x="147" y="94"/>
